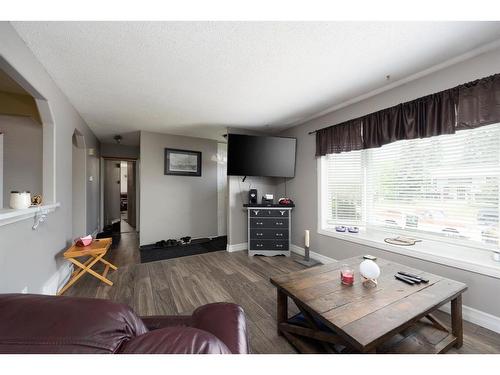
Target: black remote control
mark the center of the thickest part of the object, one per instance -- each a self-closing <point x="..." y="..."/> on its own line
<point x="416" y="281"/>
<point x="404" y="279"/>
<point x="414" y="277"/>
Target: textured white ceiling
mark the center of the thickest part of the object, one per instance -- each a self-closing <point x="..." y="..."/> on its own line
<point x="196" y="78"/>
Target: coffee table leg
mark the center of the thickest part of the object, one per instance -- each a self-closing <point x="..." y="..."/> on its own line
<point x="456" y="321"/>
<point x="282" y="309"/>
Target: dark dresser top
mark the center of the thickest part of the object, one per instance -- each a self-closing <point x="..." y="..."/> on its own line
<point x="269" y="205"/>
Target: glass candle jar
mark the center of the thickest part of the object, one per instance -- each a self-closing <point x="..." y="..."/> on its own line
<point x="346" y="275"/>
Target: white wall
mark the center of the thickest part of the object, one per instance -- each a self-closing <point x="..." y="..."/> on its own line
<point x="303" y="188"/>
<point x="176" y="206"/>
<point x="32" y="264"/>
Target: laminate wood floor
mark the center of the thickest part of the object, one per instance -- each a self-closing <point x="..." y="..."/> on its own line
<point x="178" y="286"/>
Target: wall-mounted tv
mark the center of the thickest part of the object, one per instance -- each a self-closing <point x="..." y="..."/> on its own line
<point x="250" y="155"/>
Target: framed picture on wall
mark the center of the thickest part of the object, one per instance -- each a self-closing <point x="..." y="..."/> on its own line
<point x="182" y="162"/>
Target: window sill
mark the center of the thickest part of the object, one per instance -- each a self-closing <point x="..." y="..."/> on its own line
<point x="461" y="257"/>
<point x="9" y="215"/>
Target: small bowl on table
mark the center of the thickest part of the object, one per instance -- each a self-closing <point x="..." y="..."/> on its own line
<point x="83" y="241"/>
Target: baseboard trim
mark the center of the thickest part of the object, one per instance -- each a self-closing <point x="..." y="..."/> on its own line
<point x="470" y="314"/>
<point x="316" y="256"/>
<point x="478" y="317"/>
<point x="58" y="279"/>
<point x="237" y="247"/>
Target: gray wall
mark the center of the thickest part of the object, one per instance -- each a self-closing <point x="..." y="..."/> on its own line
<point x="111" y="191"/>
<point x="93" y="189"/>
<point x="22" y="165"/>
<point x="222" y="197"/>
<point x="303" y="188"/>
<point x="115" y="150"/>
<point x="1" y="169"/>
<point x="176" y="206"/>
<point x="78" y="196"/>
<point x="237" y="195"/>
<point x="32" y="263"/>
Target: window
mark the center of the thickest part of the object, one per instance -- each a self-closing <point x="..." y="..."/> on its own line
<point x="445" y="187"/>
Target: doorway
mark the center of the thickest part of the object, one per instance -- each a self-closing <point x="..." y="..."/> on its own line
<point x="120" y="195"/>
<point x="127" y="196"/>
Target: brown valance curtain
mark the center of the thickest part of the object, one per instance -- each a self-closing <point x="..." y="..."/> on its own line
<point x="424" y="117"/>
<point x="479" y="103"/>
<point x="339" y="138"/>
<point x="466" y="106"/>
<point x="382" y="127"/>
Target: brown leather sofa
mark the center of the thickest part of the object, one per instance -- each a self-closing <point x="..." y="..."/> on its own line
<point x="31" y="323"/>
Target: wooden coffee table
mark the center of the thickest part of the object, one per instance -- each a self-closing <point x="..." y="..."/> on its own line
<point x="392" y="317"/>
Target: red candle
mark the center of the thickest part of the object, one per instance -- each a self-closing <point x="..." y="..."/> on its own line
<point x="346" y="275"/>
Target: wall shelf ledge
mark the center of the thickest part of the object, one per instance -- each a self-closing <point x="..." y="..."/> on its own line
<point x="9" y="215"/>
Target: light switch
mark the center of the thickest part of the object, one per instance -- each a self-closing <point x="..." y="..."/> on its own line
<point x="91" y="178"/>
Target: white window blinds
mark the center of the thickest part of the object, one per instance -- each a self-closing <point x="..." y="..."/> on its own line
<point x="446" y="185"/>
<point x="345" y="185"/>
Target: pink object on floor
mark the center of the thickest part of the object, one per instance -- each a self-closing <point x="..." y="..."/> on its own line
<point x="84" y="241"/>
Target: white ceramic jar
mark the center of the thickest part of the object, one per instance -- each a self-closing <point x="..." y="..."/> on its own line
<point x="27" y="198"/>
<point x="19" y="200"/>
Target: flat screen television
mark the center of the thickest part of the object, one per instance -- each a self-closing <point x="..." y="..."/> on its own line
<point x="250" y="155"/>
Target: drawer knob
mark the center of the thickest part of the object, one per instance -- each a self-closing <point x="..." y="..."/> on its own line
<point x="279" y="234"/>
<point x="259" y="234"/>
<point x="279" y="223"/>
<point x="259" y="223"/>
<point x="259" y="245"/>
<point x="279" y="245"/>
<point x="256" y="212"/>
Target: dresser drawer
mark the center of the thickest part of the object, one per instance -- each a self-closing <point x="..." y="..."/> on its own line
<point x="269" y="234"/>
<point x="263" y="212"/>
<point x="268" y="245"/>
<point x="268" y="223"/>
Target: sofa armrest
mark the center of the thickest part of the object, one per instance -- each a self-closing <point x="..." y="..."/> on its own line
<point x="175" y="340"/>
<point x="225" y="321"/>
<point x="33" y="323"/>
<point x="163" y="321"/>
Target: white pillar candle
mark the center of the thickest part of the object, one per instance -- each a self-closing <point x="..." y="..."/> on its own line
<point x="306" y="237"/>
